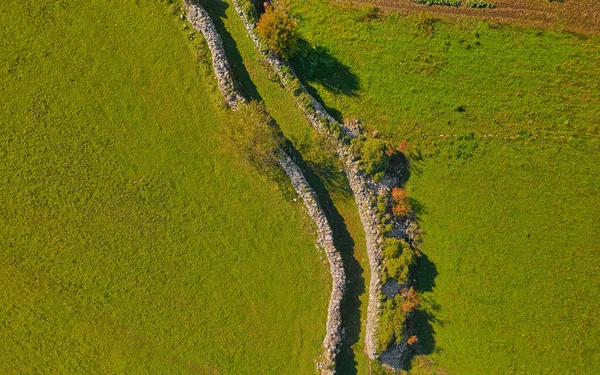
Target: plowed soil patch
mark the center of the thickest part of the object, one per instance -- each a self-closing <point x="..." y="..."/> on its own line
<point x="581" y="16"/>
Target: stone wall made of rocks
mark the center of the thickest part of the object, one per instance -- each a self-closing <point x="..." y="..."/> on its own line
<point x="365" y="190"/>
<point x="201" y="21"/>
<point x="333" y="336"/>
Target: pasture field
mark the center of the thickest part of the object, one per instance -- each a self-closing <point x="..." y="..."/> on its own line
<point x="503" y="126"/>
<point x="130" y="241"/>
<point x="415" y="76"/>
<point x="512" y="273"/>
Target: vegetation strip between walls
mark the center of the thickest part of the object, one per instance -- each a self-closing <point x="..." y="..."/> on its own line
<point x="362" y="186"/>
<point x="201" y="21"/>
<point x="389" y="239"/>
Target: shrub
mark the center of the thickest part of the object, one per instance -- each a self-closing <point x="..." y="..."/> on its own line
<point x="278" y="30"/>
<point x="411" y="301"/>
<point x="374" y="157"/>
<point x="392" y="323"/>
<point x="465" y="147"/>
<point x="249" y="10"/>
<point x="412" y="339"/>
<point x="399" y="256"/>
<point x="400" y="203"/>
<point x="256" y="136"/>
<point x="480" y="4"/>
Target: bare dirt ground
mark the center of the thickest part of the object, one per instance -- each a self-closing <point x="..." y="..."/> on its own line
<point x="577" y="16"/>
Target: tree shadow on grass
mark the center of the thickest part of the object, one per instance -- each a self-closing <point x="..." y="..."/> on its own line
<point x="315" y="64"/>
<point x="216" y="11"/>
<point x="351" y="305"/>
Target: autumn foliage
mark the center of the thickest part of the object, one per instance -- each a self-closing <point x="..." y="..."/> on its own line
<point x="411" y="301"/>
<point x="412" y="339"/>
<point x="400" y="203"/>
<point x="278" y="30"/>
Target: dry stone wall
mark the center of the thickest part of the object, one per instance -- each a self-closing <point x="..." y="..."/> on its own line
<point x="365" y="190"/>
<point x="333" y="336"/>
<point x="201" y="21"/>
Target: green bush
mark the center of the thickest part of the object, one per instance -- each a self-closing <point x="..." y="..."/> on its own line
<point x="392" y="323"/>
<point x="374" y="157"/>
<point x="249" y="10"/>
<point x="465" y="146"/>
<point x="255" y="135"/>
<point x="480" y="4"/>
<point x="399" y="256"/>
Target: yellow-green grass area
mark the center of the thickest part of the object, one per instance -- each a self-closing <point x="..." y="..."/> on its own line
<point x="418" y="76"/>
<point x="322" y="171"/>
<point x="130" y="242"/>
<point x="513" y="273"/>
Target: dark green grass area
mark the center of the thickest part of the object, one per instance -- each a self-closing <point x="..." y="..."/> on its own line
<point x="129" y="242"/>
<point x="512" y="277"/>
<point x="414" y="76"/>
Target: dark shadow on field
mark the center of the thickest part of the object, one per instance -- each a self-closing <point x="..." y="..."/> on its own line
<point x="216" y="11"/>
<point x="317" y="64"/>
<point x="351" y="305"/>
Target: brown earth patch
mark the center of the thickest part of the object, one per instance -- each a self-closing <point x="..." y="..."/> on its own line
<point x="577" y="16"/>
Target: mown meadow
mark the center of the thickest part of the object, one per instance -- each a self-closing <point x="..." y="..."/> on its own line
<point x="132" y="240"/>
<point x="502" y="126"/>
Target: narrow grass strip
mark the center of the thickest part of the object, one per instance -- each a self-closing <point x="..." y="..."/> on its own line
<point x="201" y="21"/>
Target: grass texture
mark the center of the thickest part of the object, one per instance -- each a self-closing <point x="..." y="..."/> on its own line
<point x="130" y="242"/>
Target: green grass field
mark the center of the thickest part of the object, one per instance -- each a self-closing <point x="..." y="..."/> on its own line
<point x="408" y="79"/>
<point x="509" y="278"/>
<point x="130" y="242"/>
<point x="513" y="275"/>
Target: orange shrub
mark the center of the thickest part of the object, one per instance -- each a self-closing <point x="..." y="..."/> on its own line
<point x="403" y="147"/>
<point x="278" y="29"/>
<point x="412" y="339"/>
<point x="400" y="203"/>
<point x="411" y="301"/>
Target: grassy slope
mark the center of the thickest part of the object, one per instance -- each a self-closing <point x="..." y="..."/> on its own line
<point x="411" y="84"/>
<point x="502" y="299"/>
<point x="323" y="172"/>
<point x="513" y="236"/>
<point x="198" y="267"/>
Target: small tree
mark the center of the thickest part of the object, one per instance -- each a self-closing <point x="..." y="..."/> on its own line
<point x="278" y="29"/>
<point x="255" y="135"/>
<point x="375" y="157"/>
